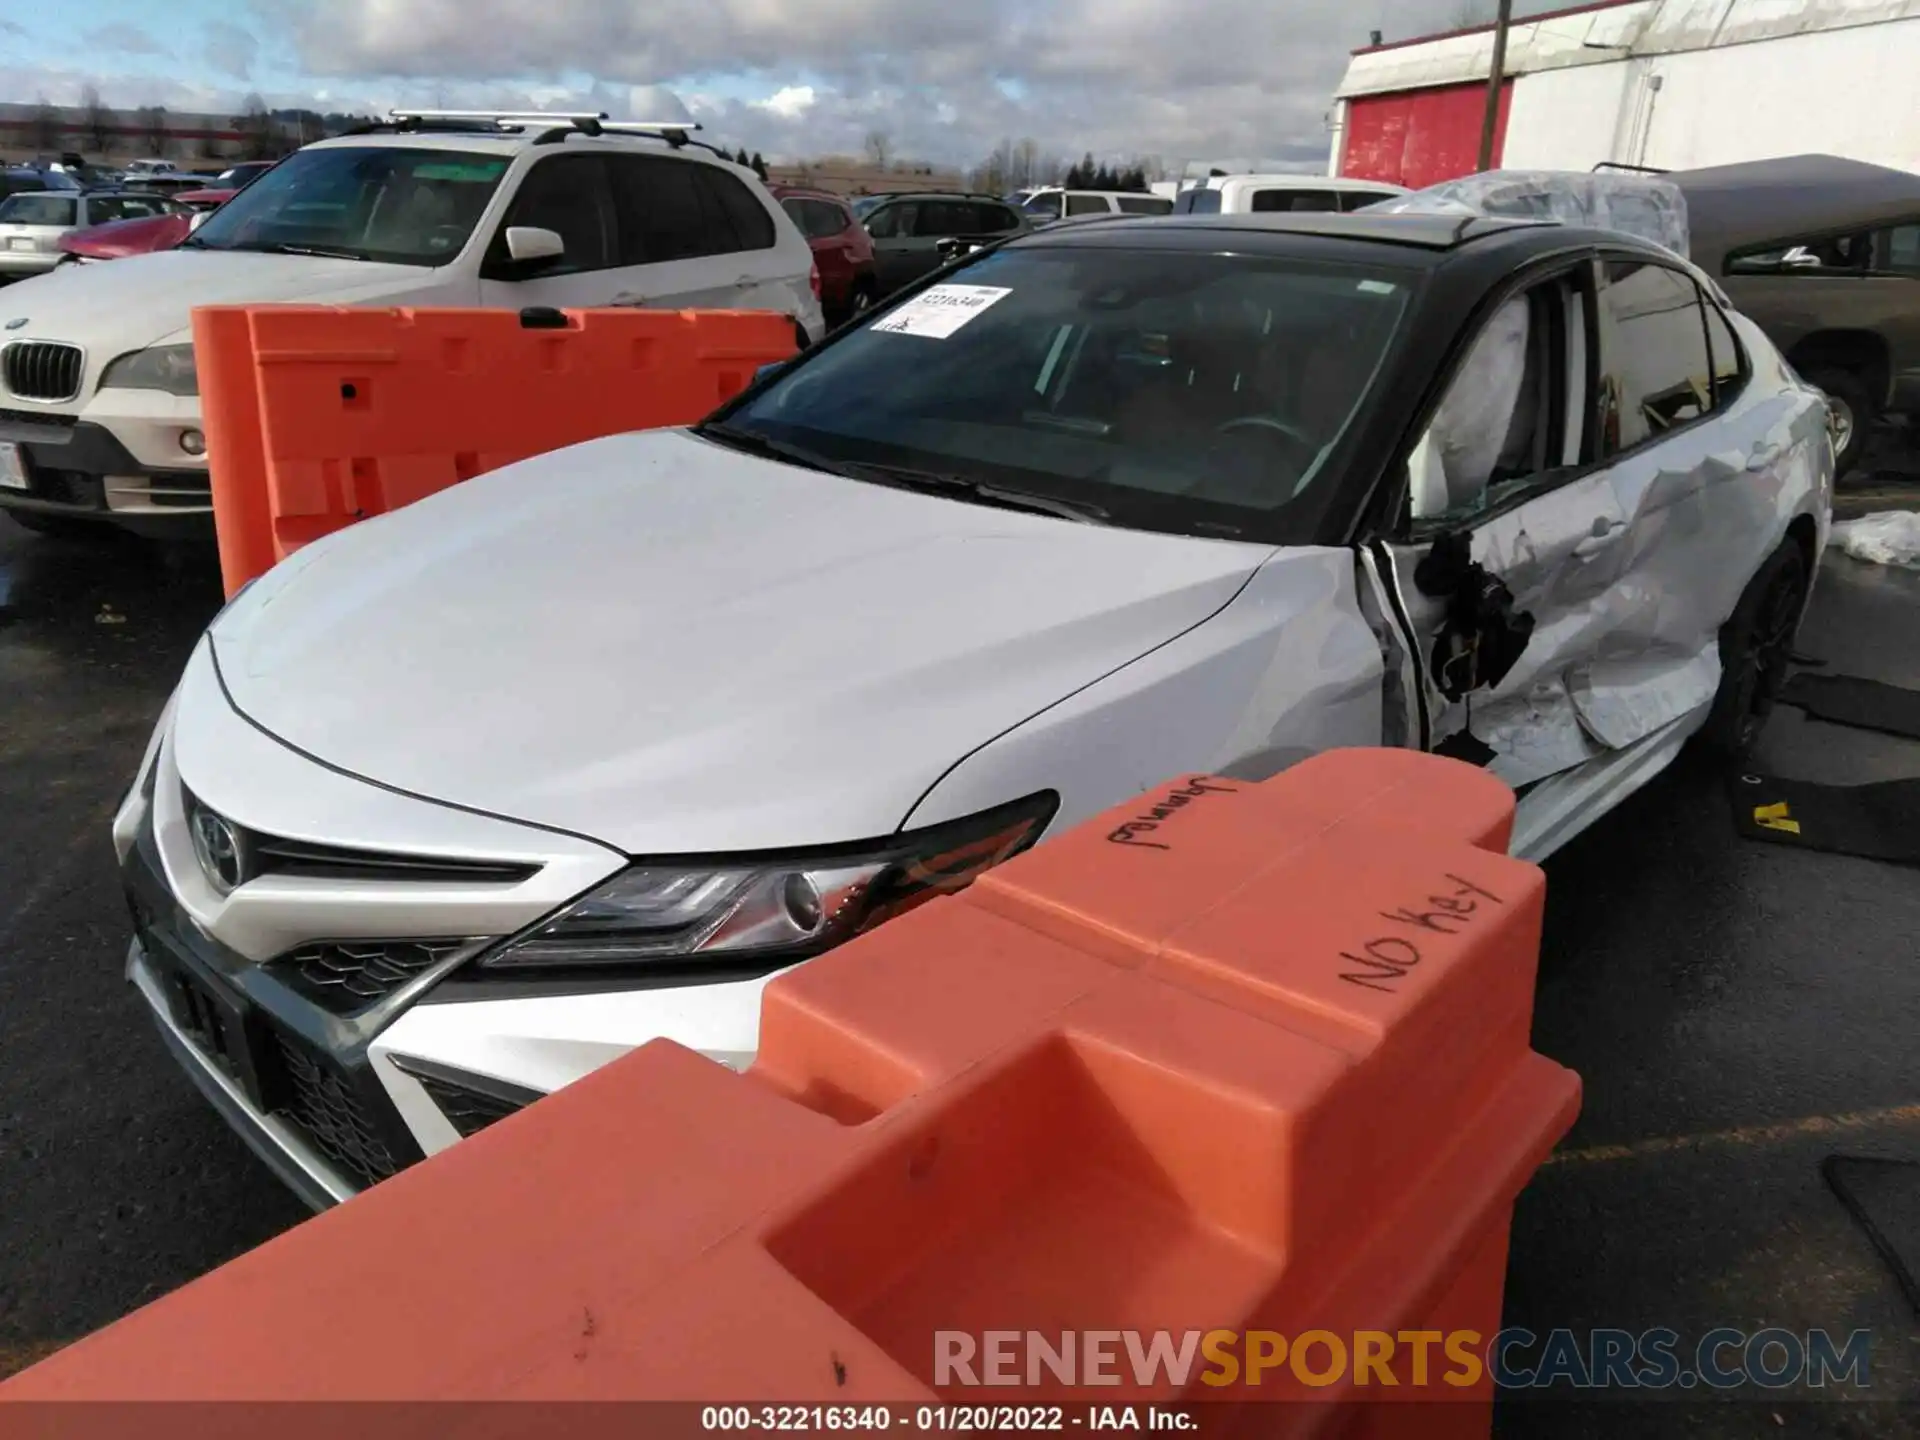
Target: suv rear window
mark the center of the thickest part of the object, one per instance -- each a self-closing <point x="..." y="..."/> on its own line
<point x="815" y="219"/>
<point x="1268" y="201"/>
<point x="1146" y="205"/>
<point x="37" y="208"/>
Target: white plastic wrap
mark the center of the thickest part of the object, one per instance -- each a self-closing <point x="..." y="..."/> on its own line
<point x="1471" y="427"/>
<point x="1640" y="205"/>
<point x="1890" y="537"/>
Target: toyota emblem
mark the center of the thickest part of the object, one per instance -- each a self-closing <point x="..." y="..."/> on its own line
<point x="16" y="324"/>
<point x="216" y="844"/>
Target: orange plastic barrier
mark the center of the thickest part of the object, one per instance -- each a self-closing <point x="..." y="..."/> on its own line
<point x="320" y="415"/>
<point x="1232" y="1057"/>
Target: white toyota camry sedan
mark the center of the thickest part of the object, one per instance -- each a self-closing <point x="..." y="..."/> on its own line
<point x="459" y="803"/>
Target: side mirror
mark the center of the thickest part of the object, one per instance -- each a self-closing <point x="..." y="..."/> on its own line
<point x="531" y="242"/>
<point x="772" y="367"/>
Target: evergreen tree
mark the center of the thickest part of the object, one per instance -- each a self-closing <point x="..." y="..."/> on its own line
<point x="759" y="165"/>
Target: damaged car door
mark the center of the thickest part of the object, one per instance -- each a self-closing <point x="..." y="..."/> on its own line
<point x="1594" y="488"/>
<point x="1507" y="558"/>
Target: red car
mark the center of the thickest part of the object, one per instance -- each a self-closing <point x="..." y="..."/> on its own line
<point x="842" y="249"/>
<point x="120" y="238"/>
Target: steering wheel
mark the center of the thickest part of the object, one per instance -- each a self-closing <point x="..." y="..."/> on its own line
<point x="1266" y="422"/>
<point x="1247" y="472"/>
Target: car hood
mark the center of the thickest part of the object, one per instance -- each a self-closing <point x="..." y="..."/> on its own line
<point x="127" y="237"/>
<point x="659" y="643"/>
<point x="147" y="299"/>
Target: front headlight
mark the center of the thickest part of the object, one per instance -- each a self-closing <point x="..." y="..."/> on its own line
<point x="776" y="909"/>
<point x="165" y="367"/>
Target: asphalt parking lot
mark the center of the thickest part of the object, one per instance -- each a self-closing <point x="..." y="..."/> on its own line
<point x="1737" y="1012"/>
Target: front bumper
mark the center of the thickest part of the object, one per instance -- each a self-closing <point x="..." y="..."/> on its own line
<point x="286" y="1151"/>
<point x="337" y="1098"/>
<point x="119" y="460"/>
<point x="331" y="1114"/>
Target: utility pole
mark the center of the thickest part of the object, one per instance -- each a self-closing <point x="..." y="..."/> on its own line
<point x="1494" y="78"/>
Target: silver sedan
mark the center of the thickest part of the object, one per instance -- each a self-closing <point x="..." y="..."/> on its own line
<point x="32" y="222"/>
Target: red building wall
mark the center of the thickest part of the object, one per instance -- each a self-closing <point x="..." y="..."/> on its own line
<point x="1421" y="137"/>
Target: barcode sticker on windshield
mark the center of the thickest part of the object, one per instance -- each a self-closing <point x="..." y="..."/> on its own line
<point x="938" y="312"/>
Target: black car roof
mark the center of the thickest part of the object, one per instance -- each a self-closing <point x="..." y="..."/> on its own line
<point x="1431" y="236"/>
<point x="1757" y="201"/>
<point x="932" y="195"/>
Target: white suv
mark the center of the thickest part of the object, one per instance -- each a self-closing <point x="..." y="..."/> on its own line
<point x="99" y="400"/>
<point x="1260" y="194"/>
<point x="1050" y="203"/>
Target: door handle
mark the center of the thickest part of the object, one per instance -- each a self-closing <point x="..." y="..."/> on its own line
<point x="1765" y="457"/>
<point x="628" y="297"/>
<point x="1602" y="535"/>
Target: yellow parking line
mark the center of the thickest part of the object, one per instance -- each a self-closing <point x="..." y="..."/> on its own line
<point x="1745" y="1135"/>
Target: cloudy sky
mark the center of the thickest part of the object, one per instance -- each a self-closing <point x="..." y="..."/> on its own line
<point x="1178" y="79"/>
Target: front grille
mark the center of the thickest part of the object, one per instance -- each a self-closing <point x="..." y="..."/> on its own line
<point x="468" y="1111"/>
<point x="346" y="976"/>
<point x="277" y="856"/>
<point x="41" y="370"/>
<point x="331" y="1116"/>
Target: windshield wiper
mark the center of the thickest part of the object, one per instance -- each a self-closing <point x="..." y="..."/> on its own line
<point x="985" y="493"/>
<point x="929" y="481"/>
<point x="765" y="446"/>
<point x="324" y="252"/>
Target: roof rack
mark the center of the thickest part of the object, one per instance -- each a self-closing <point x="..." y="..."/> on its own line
<point x="561" y="123"/>
<point x="504" y="119"/>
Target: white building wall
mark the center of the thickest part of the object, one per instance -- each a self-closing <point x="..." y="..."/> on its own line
<point x="1849" y="92"/>
<point x="1572" y="119"/>
<point x="1676" y="84"/>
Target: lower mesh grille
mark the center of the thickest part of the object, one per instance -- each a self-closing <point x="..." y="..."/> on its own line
<point x="325" y="1108"/>
<point x="468" y="1111"/>
<point x="349" y="975"/>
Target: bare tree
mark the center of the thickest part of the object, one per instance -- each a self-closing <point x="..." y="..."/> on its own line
<point x="47" y="128"/>
<point x="153" y="129"/>
<point x="879" y="149"/>
<point x="258" y="137"/>
<point x="1026" y="159"/>
<point x="96" y="122"/>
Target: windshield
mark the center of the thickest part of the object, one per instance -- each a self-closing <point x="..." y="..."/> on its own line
<point x="1195" y="393"/>
<point x="1044" y="207"/>
<point x="37" y="208"/>
<point x="866" y="203"/>
<point x="401" y="206"/>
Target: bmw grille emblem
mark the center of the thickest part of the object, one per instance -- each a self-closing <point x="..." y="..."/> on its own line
<point x="16" y="324"/>
<point x="216" y="844"/>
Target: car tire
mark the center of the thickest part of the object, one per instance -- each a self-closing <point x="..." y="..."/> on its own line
<point x="1756" y="644"/>
<point x="1855" y="412"/>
